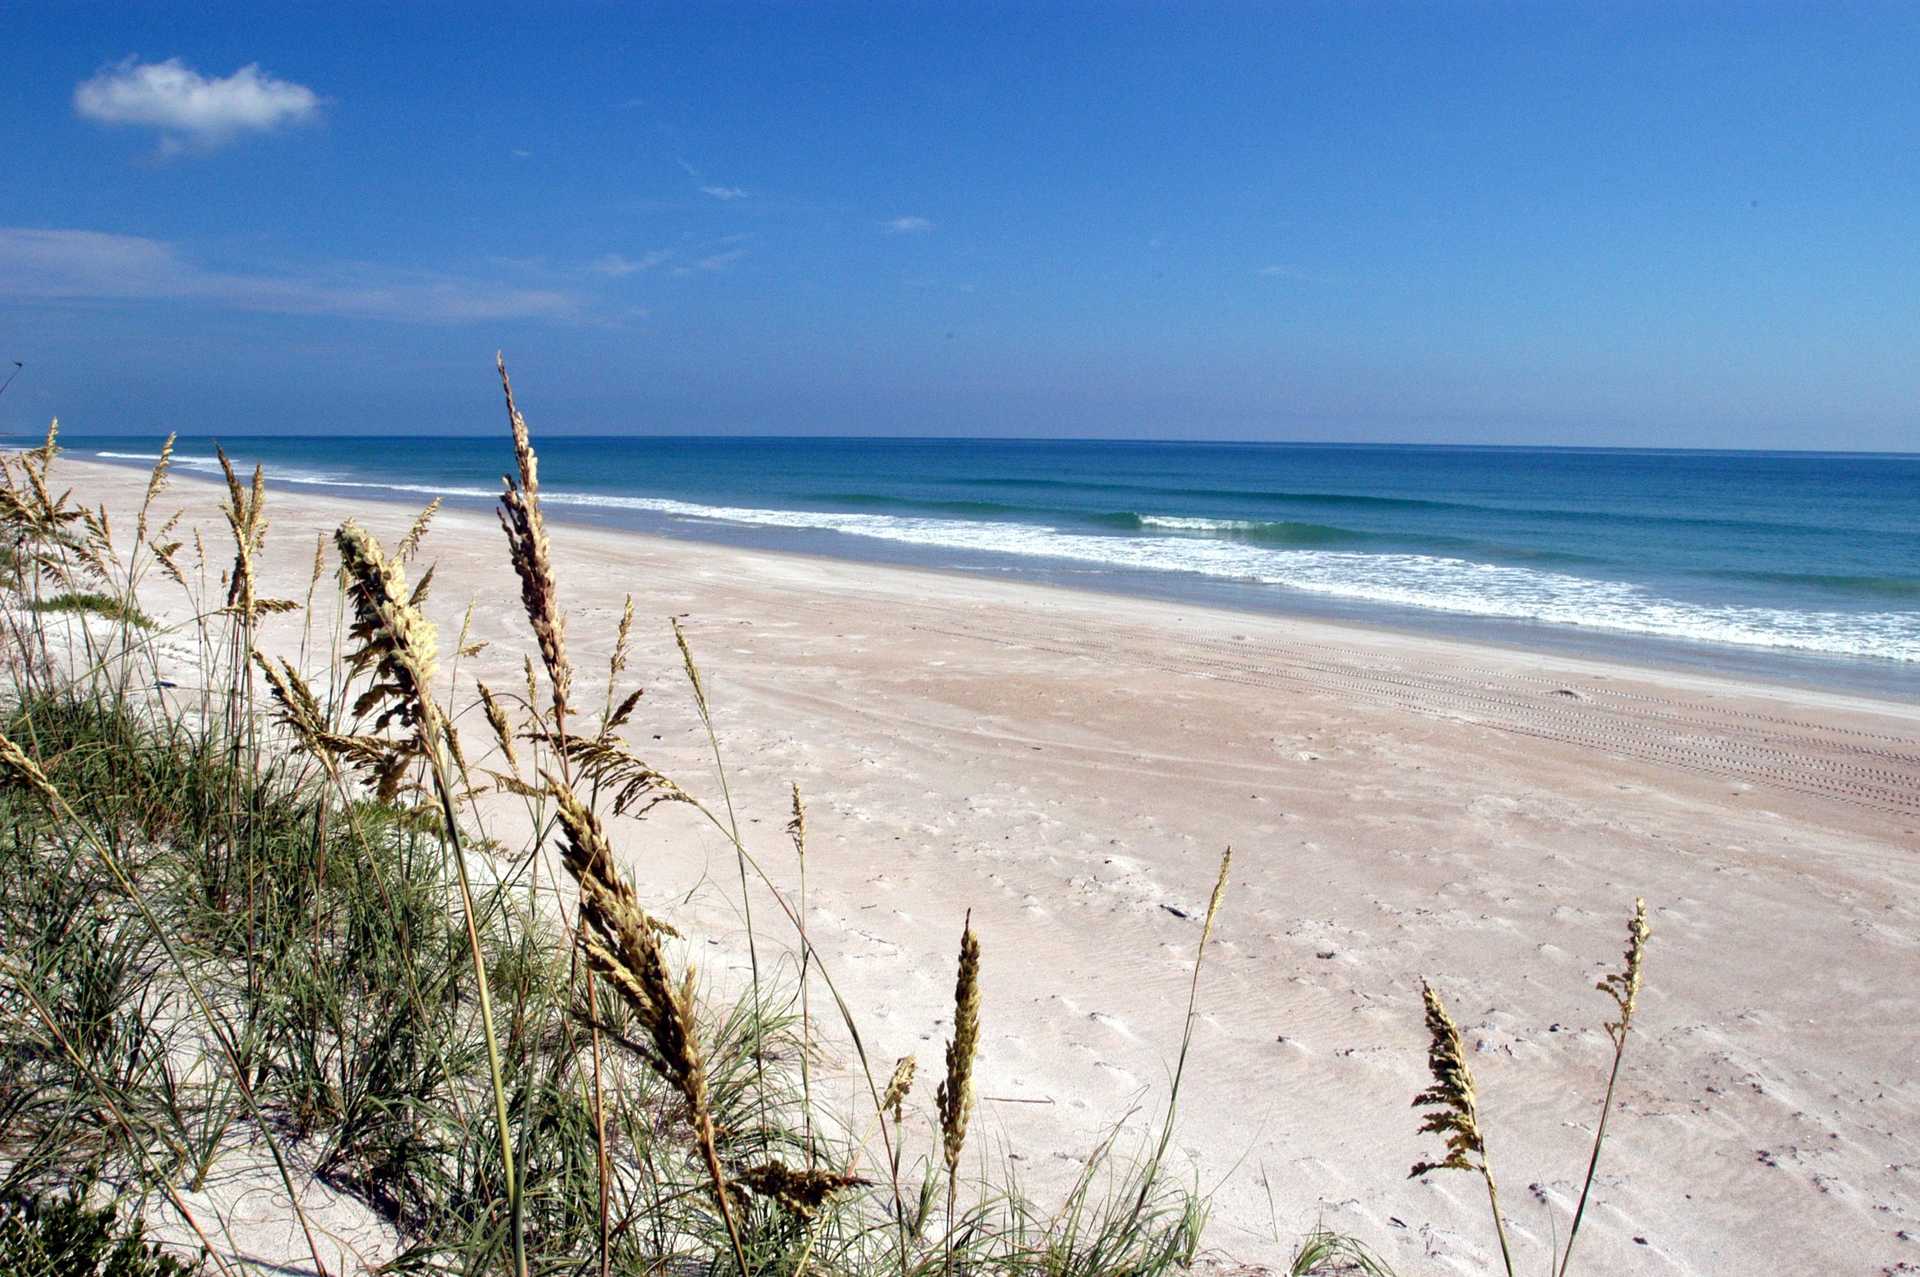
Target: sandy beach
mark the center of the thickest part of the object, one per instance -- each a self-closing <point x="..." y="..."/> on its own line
<point x="1069" y="767"/>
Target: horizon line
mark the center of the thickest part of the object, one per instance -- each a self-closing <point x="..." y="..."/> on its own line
<point x="38" y="435"/>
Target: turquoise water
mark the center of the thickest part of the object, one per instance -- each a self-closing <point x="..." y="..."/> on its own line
<point x="1719" y="558"/>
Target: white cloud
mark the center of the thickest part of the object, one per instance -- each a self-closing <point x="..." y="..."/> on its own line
<point x="189" y="108"/>
<point x="724" y="192"/>
<point x="81" y="265"/>
<point x="1282" y="272"/>
<point x="615" y="265"/>
<point x="907" y="226"/>
<point x="713" y="262"/>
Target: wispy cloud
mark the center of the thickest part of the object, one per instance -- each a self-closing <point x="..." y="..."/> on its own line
<point x="83" y="265"/>
<point x="1285" y="272"/>
<point x="723" y="260"/>
<point x="617" y="265"/>
<point x="190" y="110"/>
<point x="714" y="189"/>
<point x="906" y="226"/>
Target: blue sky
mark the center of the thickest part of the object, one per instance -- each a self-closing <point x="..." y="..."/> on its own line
<point x="1692" y="225"/>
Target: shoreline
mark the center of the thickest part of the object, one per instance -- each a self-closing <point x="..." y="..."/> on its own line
<point x="1787" y="670"/>
<point x="1069" y="764"/>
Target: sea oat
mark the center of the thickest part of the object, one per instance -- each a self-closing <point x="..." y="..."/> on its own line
<point x="801" y="1192"/>
<point x="1623" y="986"/>
<point x="397" y="642"/>
<point x="527" y="547"/>
<point x="693" y="669"/>
<point x="156" y="484"/>
<point x="15" y="763"/>
<point x="617" y="663"/>
<point x="954" y="1097"/>
<point x="623" y="944"/>
<point x="245" y="519"/>
<point x="410" y="543"/>
<point x="634" y="786"/>
<point x="502" y="730"/>
<point x="1456" y="1114"/>
<point x="797" y="826"/>
<point x="899" y="1086"/>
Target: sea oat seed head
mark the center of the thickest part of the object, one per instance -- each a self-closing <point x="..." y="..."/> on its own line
<point x="898" y="1086"/>
<point x="693" y="669"/>
<point x="528" y="548"/>
<point x="797" y="827"/>
<point x="1455" y="1116"/>
<point x="1219" y="895"/>
<point x="1623" y="986"/>
<point x="15" y="762"/>
<point x="410" y="543"/>
<point x="801" y="1192"/>
<point x="954" y="1098"/>
<point x="395" y="638"/>
<point x="502" y="730"/>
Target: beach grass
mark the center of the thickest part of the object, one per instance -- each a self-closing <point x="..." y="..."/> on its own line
<point x="105" y="606"/>
<point x="264" y="913"/>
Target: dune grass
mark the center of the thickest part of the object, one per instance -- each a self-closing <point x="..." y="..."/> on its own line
<point x="263" y="908"/>
<point x="95" y="603"/>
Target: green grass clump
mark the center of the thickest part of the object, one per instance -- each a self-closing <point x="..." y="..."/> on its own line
<point x="60" y="1233"/>
<point x="98" y="604"/>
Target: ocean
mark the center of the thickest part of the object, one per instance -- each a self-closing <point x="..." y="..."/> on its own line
<point x="1799" y="566"/>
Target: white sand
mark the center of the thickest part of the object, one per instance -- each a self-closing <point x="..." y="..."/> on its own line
<point x="1069" y="766"/>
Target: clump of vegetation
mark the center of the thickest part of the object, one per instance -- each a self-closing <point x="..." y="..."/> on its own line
<point x="62" y="1234"/>
<point x="268" y="912"/>
<point x="98" y="604"/>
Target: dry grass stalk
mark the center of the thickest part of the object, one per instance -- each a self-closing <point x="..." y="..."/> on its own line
<point x="1623" y="986"/>
<point x="165" y="554"/>
<point x="399" y="644"/>
<point x="502" y="729"/>
<point x="1456" y="1112"/>
<point x="1213" y="905"/>
<point x="801" y="1192"/>
<point x="622" y="645"/>
<point x="797" y="830"/>
<point x="622" y="943"/>
<point x="299" y="708"/>
<point x="396" y="641"/>
<point x="532" y="558"/>
<point x="156" y="484"/>
<point x="899" y="1086"/>
<point x="693" y="669"/>
<point x="613" y="768"/>
<point x="246" y="520"/>
<point x="954" y="1097"/>
<point x="1151" y="1175"/>
<point x="15" y="762"/>
<point x="410" y="543"/>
